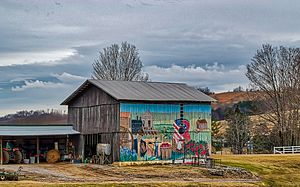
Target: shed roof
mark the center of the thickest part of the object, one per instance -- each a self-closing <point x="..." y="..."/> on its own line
<point x="36" y="130"/>
<point x="144" y="91"/>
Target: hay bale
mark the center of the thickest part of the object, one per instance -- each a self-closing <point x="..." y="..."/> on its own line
<point x="53" y="156"/>
<point x="18" y="156"/>
<point x="5" y="157"/>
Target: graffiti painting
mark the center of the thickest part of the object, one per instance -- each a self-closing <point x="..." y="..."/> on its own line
<point x="163" y="131"/>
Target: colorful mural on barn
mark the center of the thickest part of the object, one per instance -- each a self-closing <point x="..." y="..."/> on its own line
<point x="164" y="131"/>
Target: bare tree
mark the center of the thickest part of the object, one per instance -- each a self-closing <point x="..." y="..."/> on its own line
<point x="119" y="63"/>
<point x="276" y="73"/>
<point x="205" y="90"/>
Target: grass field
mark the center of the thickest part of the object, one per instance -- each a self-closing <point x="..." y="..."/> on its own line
<point x="66" y="174"/>
<point x="274" y="170"/>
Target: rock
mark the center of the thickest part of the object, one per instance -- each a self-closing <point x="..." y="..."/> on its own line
<point x="232" y="172"/>
<point x="217" y="172"/>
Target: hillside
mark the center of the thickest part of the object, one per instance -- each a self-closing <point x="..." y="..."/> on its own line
<point x="35" y="117"/>
<point x="231" y="98"/>
<point x="246" y="101"/>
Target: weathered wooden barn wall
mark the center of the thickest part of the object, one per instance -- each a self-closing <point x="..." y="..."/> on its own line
<point x="96" y="112"/>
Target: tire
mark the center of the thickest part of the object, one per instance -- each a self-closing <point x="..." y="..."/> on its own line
<point x="5" y="157"/>
<point x="18" y="157"/>
<point x="2" y="177"/>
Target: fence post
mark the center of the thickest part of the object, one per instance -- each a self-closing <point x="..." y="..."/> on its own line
<point x="184" y="152"/>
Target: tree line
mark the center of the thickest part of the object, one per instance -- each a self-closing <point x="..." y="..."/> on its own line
<point x="35" y="116"/>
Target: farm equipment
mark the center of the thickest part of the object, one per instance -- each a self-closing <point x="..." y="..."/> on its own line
<point x="103" y="154"/>
<point x="4" y="175"/>
<point x="11" y="153"/>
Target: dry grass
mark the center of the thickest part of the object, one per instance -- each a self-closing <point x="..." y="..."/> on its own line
<point x="154" y="184"/>
<point x="143" y="175"/>
<point x="274" y="170"/>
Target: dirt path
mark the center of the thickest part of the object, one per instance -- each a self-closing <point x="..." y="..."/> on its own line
<point x="89" y="173"/>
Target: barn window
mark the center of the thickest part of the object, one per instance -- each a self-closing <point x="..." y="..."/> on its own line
<point x="181" y="111"/>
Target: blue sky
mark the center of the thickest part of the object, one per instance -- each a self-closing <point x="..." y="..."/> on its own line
<point x="48" y="47"/>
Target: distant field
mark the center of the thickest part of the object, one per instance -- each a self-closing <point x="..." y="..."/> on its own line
<point x="274" y="170"/>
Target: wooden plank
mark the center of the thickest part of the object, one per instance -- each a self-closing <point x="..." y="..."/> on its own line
<point x="38" y="149"/>
<point x="92" y="112"/>
<point x="1" y="151"/>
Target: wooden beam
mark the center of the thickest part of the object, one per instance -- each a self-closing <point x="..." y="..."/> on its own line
<point x="37" y="150"/>
<point x="82" y="139"/>
<point x="138" y="147"/>
<point x="1" y="151"/>
<point x="67" y="145"/>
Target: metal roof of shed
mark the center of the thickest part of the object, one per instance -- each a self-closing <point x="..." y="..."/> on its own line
<point x="36" y="130"/>
<point x="145" y="91"/>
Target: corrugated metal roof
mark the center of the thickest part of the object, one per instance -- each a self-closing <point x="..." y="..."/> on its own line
<point x="145" y="91"/>
<point x="36" y="130"/>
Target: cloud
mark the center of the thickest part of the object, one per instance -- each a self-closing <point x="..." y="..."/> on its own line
<point x="215" y="67"/>
<point x="45" y="57"/>
<point x="48" y="44"/>
<point x="69" y="78"/>
<point x="36" y="84"/>
<point x="214" y="76"/>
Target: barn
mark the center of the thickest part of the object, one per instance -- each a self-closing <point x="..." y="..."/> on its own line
<point x="141" y="121"/>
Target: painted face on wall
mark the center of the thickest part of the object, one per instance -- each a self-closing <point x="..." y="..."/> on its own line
<point x="143" y="148"/>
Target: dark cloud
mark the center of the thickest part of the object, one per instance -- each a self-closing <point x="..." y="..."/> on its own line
<point x="47" y="48"/>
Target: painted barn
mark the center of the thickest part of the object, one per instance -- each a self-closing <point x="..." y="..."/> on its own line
<point x="141" y="120"/>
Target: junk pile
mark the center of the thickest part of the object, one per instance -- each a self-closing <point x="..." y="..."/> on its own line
<point x="231" y="171"/>
<point x="14" y="176"/>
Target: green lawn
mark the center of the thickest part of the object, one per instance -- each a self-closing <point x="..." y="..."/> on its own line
<point x="274" y="170"/>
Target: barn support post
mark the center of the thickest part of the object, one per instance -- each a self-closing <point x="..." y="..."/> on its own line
<point x="138" y="147"/>
<point x="81" y="146"/>
<point x="37" y="150"/>
<point x="67" y="145"/>
<point x="1" y="151"/>
<point x="112" y="146"/>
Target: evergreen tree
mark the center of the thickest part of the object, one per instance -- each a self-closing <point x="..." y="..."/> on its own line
<point x="238" y="131"/>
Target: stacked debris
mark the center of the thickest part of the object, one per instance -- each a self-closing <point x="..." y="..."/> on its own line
<point x="227" y="171"/>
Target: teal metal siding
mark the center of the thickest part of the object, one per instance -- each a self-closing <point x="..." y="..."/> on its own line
<point x="160" y="132"/>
